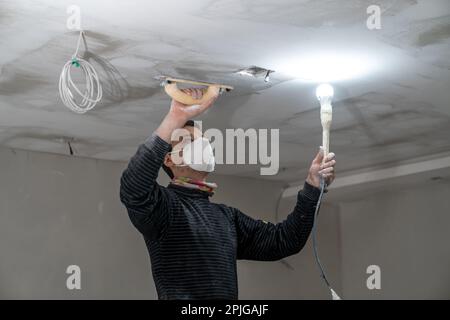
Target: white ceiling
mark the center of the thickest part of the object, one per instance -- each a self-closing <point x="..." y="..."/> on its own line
<point x="396" y="111"/>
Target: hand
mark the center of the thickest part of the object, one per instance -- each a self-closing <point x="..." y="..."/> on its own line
<point x="317" y="169"/>
<point x="182" y="112"/>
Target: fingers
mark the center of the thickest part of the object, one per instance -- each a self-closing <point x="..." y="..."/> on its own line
<point x="328" y="175"/>
<point x="328" y="164"/>
<point x="326" y="170"/>
<point x="329" y="179"/>
<point x="328" y="159"/>
<point x="198" y="93"/>
<point x="319" y="157"/>
<point x="194" y="93"/>
<point x="196" y="109"/>
<point x="208" y="104"/>
<point x="330" y="156"/>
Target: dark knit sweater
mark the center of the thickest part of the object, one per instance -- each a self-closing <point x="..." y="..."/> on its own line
<point x="194" y="243"/>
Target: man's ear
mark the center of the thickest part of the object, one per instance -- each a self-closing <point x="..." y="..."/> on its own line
<point x="168" y="161"/>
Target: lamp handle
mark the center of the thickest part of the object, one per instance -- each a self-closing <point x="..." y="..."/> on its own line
<point x="326" y="115"/>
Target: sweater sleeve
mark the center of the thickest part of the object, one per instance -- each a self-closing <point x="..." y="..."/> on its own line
<point x="265" y="241"/>
<point x="145" y="200"/>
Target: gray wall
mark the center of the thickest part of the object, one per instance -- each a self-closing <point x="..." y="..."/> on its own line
<point x="302" y="279"/>
<point x="58" y="210"/>
<point x="406" y="233"/>
<point x="401" y="225"/>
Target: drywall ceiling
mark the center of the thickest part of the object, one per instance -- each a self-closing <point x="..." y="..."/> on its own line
<point x="397" y="110"/>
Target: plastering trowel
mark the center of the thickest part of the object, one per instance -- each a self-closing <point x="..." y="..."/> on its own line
<point x="171" y="88"/>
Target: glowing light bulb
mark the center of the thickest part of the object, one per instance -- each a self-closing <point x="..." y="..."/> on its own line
<point x="324" y="91"/>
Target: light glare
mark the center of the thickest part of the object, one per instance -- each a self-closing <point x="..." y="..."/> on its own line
<point x="324" y="90"/>
<point x="328" y="67"/>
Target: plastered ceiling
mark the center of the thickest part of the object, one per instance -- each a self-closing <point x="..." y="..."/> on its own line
<point x="398" y="111"/>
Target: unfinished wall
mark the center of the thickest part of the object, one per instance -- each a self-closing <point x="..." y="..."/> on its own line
<point x="406" y="233"/>
<point x="57" y="211"/>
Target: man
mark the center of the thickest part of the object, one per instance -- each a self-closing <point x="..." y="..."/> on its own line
<point x="194" y="243"/>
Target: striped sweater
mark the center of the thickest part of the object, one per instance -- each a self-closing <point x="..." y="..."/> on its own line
<point x="194" y="243"/>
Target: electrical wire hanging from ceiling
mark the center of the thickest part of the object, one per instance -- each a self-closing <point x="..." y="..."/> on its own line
<point x="68" y="90"/>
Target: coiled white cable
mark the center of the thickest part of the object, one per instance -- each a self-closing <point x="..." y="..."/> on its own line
<point x="68" y="89"/>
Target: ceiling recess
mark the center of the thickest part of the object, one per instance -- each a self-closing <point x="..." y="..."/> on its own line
<point x="256" y="72"/>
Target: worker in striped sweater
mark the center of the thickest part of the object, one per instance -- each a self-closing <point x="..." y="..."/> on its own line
<point x="193" y="242"/>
